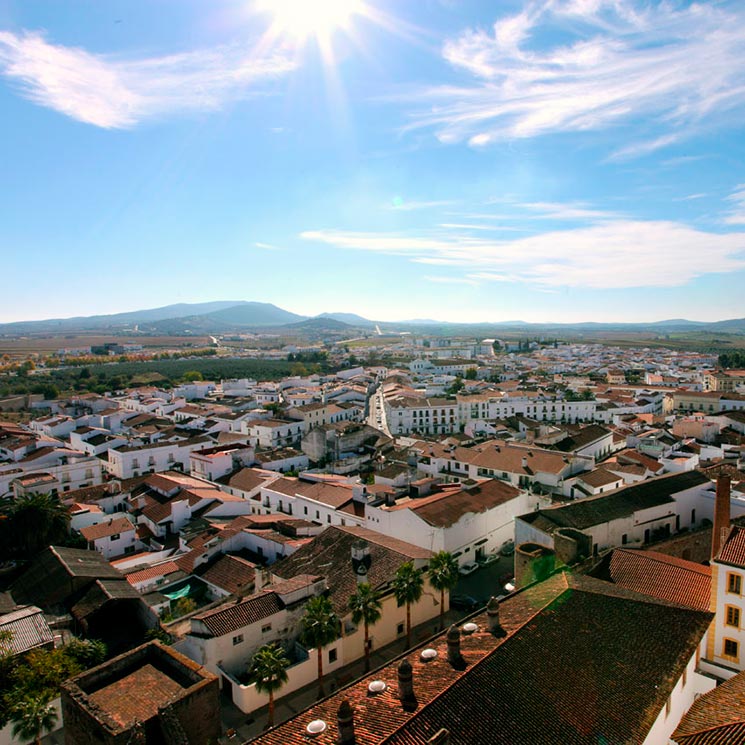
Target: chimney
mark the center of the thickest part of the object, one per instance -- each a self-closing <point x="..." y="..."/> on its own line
<point x="345" y="723"/>
<point x="524" y="462"/>
<point x="455" y="658"/>
<point x="406" y="686"/>
<point x="492" y="613"/>
<point x="721" y="513"/>
<point x="440" y="738"/>
<point x="361" y="560"/>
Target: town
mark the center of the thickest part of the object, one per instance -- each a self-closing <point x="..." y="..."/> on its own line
<point x="352" y="554"/>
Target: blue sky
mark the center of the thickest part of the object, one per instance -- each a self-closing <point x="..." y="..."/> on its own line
<point x="555" y="160"/>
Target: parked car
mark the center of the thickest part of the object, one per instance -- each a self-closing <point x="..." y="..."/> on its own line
<point x="469" y="567"/>
<point x="464" y="602"/>
<point x="507" y="548"/>
<point x="489" y="558"/>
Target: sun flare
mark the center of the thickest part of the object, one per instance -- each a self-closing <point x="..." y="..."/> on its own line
<point x="302" y="19"/>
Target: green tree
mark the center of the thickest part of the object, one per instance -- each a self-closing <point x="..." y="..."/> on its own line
<point x="408" y="585"/>
<point x="87" y="652"/>
<point x="183" y="606"/>
<point x="471" y="373"/>
<point x="443" y="575"/>
<point x="320" y="627"/>
<point x="191" y="376"/>
<point x="366" y="608"/>
<point x="31" y="522"/>
<point x="268" y="672"/>
<point x="32" y="717"/>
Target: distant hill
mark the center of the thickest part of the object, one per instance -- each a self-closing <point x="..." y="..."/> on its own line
<point x="320" y="324"/>
<point x="351" y="319"/>
<point x="117" y="320"/>
<point x="225" y="316"/>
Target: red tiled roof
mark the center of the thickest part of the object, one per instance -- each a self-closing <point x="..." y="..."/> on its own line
<point x="559" y="673"/>
<point x="233" y="616"/>
<point x="733" y="551"/>
<point x="159" y="570"/>
<point x="664" y="577"/>
<point x="109" y="528"/>
<point x="231" y="573"/>
<point x="717" y="717"/>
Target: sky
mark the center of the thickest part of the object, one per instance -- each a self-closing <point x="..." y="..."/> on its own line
<point x="461" y="160"/>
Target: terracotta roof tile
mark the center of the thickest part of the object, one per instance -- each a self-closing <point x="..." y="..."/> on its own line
<point x="661" y="576"/>
<point x="717" y="717"/>
<point x="558" y="674"/>
<point x="106" y="529"/>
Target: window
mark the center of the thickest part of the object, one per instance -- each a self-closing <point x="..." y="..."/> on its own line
<point x="624" y="539"/>
<point x="332" y="655"/>
<point x="731" y="648"/>
<point x="266" y="628"/>
<point x="115" y="537"/>
<point x="400" y="629"/>
<point x="305" y="510"/>
<point x="237" y="639"/>
<point x="734" y="583"/>
<point x="732" y="616"/>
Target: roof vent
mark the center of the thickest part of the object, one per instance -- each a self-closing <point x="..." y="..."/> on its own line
<point x="316" y="727"/>
<point x="376" y="686"/>
<point x="469" y="628"/>
<point x="428" y="654"/>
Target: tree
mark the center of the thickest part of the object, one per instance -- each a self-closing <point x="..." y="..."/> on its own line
<point x="443" y="575"/>
<point x="191" y="376"/>
<point x="365" y="606"/>
<point x="320" y="627"/>
<point x="408" y="585"/>
<point x="471" y="373"/>
<point x="86" y="652"/>
<point x="33" y="521"/>
<point x="268" y="672"/>
<point x="33" y="717"/>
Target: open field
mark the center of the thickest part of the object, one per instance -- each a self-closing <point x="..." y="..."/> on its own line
<point x="51" y="343"/>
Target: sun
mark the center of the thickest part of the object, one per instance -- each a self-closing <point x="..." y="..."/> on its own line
<point x="303" y="19"/>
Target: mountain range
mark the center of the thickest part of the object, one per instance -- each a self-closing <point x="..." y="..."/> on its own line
<point x="226" y="316"/>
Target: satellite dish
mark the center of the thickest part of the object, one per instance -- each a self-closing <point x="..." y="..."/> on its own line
<point x="428" y="654"/>
<point x="316" y="727"/>
<point x="376" y="686"/>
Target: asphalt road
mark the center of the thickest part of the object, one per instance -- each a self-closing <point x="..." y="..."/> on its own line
<point x="486" y="581"/>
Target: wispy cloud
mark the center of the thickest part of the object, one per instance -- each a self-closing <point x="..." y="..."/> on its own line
<point x="267" y="246"/>
<point x="451" y="280"/>
<point x="566" y="211"/>
<point x="736" y="215"/>
<point x="402" y="205"/>
<point x="613" y="254"/>
<point x="111" y="93"/>
<point x="613" y="61"/>
<point x="690" y="197"/>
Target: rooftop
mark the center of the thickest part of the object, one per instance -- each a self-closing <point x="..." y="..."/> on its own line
<point x="558" y="672"/>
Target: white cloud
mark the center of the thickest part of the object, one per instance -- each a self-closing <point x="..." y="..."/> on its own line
<point x="118" y="93"/>
<point x="451" y="280"/>
<point x="736" y="216"/>
<point x="613" y="254"/>
<point x="611" y="62"/>
<point x="267" y="246"/>
<point x="401" y="205"/>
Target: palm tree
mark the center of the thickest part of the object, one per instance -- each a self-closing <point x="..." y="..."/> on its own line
<point x="32" y="717"/>
<point x="443" y="575"/>
<point x="408" y="585"/>
<point x="320" y="627"/>
<point x="365" y="607"/>
<point x="36" y="521"/>
<point x="268" y="672"/>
